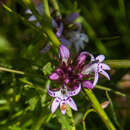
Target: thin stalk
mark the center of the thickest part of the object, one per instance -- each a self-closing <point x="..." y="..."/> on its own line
<point x="110" y="90"/>
<point x="69" y="113"/>
<point x="31" y="25"/>
<point x="84" y="117"/>
<point x="45" y="22"/>
<point x="11" y="70"/>
<point x="37" y="123"/>
<point x="48" y="27"/>
<point x="113" y="112"/>
<point x="49" y="118"/>
<point x="118" y="63"/>
<point x="97" y="107"/>
<point x="56" y="7"/>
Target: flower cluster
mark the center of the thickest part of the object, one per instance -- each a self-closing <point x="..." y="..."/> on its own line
<point x="74" y="75"/>
<point x="67" y="31"/>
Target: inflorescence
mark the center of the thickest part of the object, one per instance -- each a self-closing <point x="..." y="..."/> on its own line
<point x="75" y="75"/>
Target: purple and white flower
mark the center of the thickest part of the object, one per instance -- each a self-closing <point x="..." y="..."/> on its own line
<point x="72" y="75"/>
<point x="78" y="39"/>
<point x="62" y="98"/>
<point x="67" y="36"/>
<point x="97" y="67"/>
<point x="33" y="18"/>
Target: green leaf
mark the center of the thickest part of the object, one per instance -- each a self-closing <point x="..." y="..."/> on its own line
<point x="4" y="45"/>
<point x="32" y="103"/>
<point x="47" y="69"/>
<point x="65" y="121"/>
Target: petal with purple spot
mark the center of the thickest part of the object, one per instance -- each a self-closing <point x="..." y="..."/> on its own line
<point x="74" y="92"/>
<point x="95" y="79"/>
<point x="105" y="74"/>
<point x="104" y="66"/>
<point x="100" y="58"/>
<point x="51" y="93"/>
<point x="55" y="104"/>
<point x="54" y="76"/>
<point x="64" y="52"/>
<point x="72" y="104"/>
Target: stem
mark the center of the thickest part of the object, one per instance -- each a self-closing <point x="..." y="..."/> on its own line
<point x="11" y="70"/>
<point x="118" y="63"/>
<point x="113" y="112"/>
<point x="69" y="112"/>
<point x="38" y="122"/>
<point x="84" y="117"/>
<point x="56" y="7"/>
<point x="48" y="25"/>
<point x="97" y="107"/>
<point x="110" y="90"/>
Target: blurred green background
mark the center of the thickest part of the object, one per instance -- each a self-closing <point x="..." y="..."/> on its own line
<point x="24" y="102"/>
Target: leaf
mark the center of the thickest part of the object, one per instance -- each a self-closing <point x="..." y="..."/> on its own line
<point x="65" y="121"/>
<point x="4" y="45"/>
<point x="47" y="69"/>
<point x="32" y="103"/>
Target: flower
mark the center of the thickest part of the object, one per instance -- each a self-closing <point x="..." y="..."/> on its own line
<point x="33" y="18"/>
<point x="67" y="35"/>
<point x="63" y="97"/>
<point x="77" y="72"/>
<point x="97" y="66"/>
<point x="72" y="75"/>
<point x="78" y="39"/>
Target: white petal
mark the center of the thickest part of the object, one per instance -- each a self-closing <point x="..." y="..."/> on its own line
<point x="72" y="104"/>
<point x="100" y="58"/>
<point x="105" y="74"/>
<point x="52" y="93"/>
<point x="55" y="104"/>
<point x="32" y="18"/>
<point x="38" y="24"/>
<point x="90" y="68"/>
<point x="28" y="11"/>
<point x="95" y="79"/>
<point x="63" y="107"/>
<point x="104" y="66"/>
<point x="74" y="92"/>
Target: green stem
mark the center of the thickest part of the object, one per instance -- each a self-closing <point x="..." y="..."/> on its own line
<point x="113" y="112"/>
<point x="48" y="26"/>
<point x="84" y="117"/>
<point x="69" y="112"/>
<point x="46" y="21"/>
<point x="11" y="70"/>
<point x="97" y="107"/>
<point x="118" y="63"/>
<point x="110" y="90"/>
<point x="38" y="122"/>
<point x="56" y="7"/>
<point x="49" y="118"/>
